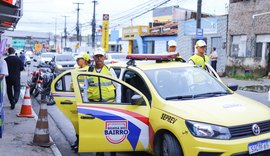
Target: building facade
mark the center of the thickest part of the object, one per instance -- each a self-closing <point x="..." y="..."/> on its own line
<point x="214" y="34"/>
<point x="248" y="37"/>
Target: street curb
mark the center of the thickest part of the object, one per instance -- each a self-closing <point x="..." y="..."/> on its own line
<point x="53" y="147"/>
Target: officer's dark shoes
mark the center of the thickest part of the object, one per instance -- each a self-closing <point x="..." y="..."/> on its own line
<point x="99" y="154"/>
<point x="75" y="148"/>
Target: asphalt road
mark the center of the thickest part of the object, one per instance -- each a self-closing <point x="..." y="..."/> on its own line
<point x="62" y="131"/>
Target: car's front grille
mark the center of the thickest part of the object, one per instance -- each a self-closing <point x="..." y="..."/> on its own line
<point x="246" y="130"/>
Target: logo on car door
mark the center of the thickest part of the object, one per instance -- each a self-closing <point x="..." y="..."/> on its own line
<point x="116" y="131"/>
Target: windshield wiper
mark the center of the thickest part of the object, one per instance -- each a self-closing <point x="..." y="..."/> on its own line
<point x="180" y="97"/>
<point x="211" y="94"/>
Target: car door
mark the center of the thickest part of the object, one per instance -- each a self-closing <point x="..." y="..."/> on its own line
<point x="112" y="126"/>
<point x="64" y="97"/>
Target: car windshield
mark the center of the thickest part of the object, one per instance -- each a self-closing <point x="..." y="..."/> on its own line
<point x="185" y="83"/>
<point x="47" y="55"/>
<point x="64" y="58"/>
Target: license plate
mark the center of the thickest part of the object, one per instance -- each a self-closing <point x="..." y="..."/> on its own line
<point x="259" y="146"/>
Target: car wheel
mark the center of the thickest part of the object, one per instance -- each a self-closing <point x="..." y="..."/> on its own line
<point x="168" y="146"/>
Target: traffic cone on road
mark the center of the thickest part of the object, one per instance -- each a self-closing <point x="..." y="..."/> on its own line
<point x="26" y="109"/>
<point x="41" y="136"/>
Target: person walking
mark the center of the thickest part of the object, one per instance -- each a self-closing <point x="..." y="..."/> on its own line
<point x="22" y="57"/>
<point x="199" y="58"/>
<point x="214" y="56"/>
<point x="15" y="66"/>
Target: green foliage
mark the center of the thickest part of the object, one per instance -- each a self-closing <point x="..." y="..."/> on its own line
<point x="243" y="77"/>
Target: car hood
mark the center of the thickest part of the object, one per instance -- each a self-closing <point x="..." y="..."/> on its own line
<point x="229" y="110"/>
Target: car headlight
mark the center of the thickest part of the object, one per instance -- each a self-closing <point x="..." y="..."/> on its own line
<point x="209" y="131"/>
<point x="59" y="66"/>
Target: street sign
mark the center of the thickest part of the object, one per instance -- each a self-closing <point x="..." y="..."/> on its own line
<point x="105" y="32"/>
<point x="199" y="33"/>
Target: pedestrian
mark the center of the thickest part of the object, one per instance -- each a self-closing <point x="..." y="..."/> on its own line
<point x="171" y="46"/>
<point x="199" y="58"/>
<point x="15" y="66"/>
<point x="22" y="57"/>
<point x="213" y="57"/>
<point x="3" y="74"/>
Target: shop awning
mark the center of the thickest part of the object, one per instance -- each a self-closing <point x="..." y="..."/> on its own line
<point x="10" y="14"/>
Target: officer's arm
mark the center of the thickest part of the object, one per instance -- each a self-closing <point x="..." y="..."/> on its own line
<point x="117" y="86"/>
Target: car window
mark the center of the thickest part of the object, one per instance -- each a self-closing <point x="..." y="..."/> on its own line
<point x="64" y="84"/>
<point x="96" y="90"/>
<point x="64" y="58"/>
<point x="132" y="78"/>
<point x="185" y="83"/>
<point x="117" y="71"/>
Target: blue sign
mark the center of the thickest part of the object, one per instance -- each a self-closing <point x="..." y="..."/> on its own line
<point x="209" y="26"/>
<point x="199" y="33"/>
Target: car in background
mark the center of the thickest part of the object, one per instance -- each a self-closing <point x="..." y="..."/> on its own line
<point x="46" y="57"/>
<point x="115" y="57"/>
<point x="29" y="53"/>
<point x="63" y="62"/>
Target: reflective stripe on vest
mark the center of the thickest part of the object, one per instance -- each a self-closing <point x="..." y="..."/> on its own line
<point x="101" y="89"/>
<point x="198" y="60"/>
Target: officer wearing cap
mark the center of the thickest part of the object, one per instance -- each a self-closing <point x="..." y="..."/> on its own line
<point x="103" y="90"/>
<point x="199" y="58"/>
<point x="171" y="46"/>
<point x="83" y="61"/>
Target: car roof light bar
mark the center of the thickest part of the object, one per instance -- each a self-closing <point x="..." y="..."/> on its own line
<point x="153" y="56"/>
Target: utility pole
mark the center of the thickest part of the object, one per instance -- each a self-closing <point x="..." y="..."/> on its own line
<point x="55" y="28"/>
<point x="199" y="12"/>
<point x="65" y="31"/>
<point x="77" y="25"/>
<point x="94" y="25"/>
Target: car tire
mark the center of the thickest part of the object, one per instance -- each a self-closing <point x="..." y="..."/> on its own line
<point x="168" y="146"/>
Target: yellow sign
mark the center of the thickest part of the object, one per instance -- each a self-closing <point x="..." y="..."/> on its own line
<point x="130" y="33"/>
<point x="38" y="47"/>
<point x="105" y="32"/>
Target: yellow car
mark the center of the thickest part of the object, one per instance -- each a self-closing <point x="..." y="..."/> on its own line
<point x="166" y="108"/>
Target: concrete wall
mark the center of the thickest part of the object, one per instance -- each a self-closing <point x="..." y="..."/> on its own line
<point x="248" y="18"/>
<point x="185" y="46"/>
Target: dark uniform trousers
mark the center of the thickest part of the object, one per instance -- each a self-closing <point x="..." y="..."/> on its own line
<point x="13" y="90"/>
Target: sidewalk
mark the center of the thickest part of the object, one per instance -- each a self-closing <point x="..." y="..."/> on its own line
<point x="243" y="83"/>
<point x="18" y="134"/>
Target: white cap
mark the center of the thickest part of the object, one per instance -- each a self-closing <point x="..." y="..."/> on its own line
<point x="99" y="51"/>
<point x="172" y="43"/>
<point x="200" y="43"/>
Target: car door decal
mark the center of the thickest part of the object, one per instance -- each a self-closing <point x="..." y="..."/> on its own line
<point x="137" y="125"/>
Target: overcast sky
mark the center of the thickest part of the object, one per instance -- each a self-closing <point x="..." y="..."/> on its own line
<point x="41" y="15"/>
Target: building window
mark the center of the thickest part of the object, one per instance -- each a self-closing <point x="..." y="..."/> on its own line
<point x="258" y="52"/>
<point x="150" y="47"/>
<point x="239" y="44"/>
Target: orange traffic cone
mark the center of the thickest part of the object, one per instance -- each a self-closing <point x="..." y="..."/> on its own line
<point x="41" y="136"/>
<point x="26" y="109"/>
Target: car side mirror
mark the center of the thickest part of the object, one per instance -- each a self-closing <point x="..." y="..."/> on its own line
<point x="137" y="100"/>
<point x="232" y="86"/>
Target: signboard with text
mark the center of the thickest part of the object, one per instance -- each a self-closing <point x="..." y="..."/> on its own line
<point x="209" y="26"/>
<point x="105" y="32"/>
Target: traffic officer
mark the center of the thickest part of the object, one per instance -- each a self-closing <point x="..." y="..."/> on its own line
<point x="171" y="46"/>
<point x="82" y="65"/>
<point x="103" y="90"/>
<point x="199" y="58"/>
